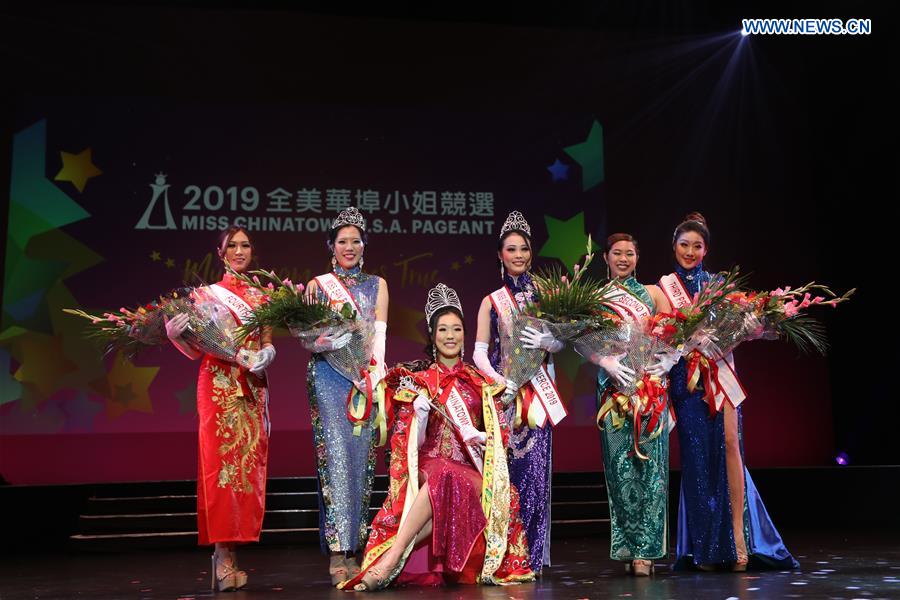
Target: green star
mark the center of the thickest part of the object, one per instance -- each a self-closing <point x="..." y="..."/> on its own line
<point x="154" y="256"/>
<point x="454" y="266"/>
<point x="469" y="260"/>
<point x="566" y="240"/>
<point x="589" y="154"/>
<point x="170" y="263"/>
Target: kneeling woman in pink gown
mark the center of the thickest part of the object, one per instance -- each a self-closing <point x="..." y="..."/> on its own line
<point x="451" y="515"/>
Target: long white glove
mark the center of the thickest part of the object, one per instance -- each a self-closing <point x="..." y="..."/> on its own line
<point x="481" y="360"/>
<point x="423" y="408"/>
<point x="380" y="340"/>
<point x="266" y="356"/>
<point x="329" y="342"/>
<point x="705" y="343"/>
<point x="664" y="363"/>
<point x="534" y="339"/>
<point x="613" y="366"/>
<point x="472" y="436"/>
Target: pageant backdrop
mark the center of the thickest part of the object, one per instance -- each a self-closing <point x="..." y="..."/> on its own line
<point x="115" y="200"/>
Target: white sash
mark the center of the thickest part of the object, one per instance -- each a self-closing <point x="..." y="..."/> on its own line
<point x="550" y="402"/>
<point x="731" y="388"/>
<point x="235" y="303"/>
<point x="336" y="292"/>
<point x="627" y="305"/>
<point x="459" y="412"/>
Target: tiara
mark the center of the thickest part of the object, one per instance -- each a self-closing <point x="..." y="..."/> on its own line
<point x="515" y="221"/>
<point x="349" y="216"/>
<point x="440" y="296"/>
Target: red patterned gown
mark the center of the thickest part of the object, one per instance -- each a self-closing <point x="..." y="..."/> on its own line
<point x="232" y="405"/>
<point x="466" y="533"/>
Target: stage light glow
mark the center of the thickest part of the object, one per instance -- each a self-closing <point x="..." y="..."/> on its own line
<point x="842" y="459"/>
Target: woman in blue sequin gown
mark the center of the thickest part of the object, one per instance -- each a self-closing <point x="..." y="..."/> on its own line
<point x="345" y="462"/>
<point x="722" y="522"/>
<point x="530" y="450"/>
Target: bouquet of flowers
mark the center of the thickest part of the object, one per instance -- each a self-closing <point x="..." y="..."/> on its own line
<point x="128" y="330"/>
<point x="747" y="316"/>
<point x="212" y="329"/>
<point x="310" y="318"/>
<point x="563" y="307"/>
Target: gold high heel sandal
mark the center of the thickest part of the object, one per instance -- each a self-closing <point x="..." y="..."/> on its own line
<point x="230" y="581"/>
<point x="640" y="568"/>
<point x="740" y="565"/>
<point x="337" y="568"/>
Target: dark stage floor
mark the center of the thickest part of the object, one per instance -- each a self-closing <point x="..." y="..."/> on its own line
<point x="833" y="565"/>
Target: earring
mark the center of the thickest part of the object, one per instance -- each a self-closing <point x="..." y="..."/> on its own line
<point x="502" y="271"/>
<point x="462" y="354"/>
<point x="607" y="272"/>
<point x="333" y="263"/>
<point x="362" y="261"/>
<point x="433" y="353"/>
<point x="634" y="273"/>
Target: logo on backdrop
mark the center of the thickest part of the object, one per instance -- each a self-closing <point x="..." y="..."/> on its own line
<point x="213" y="208"/>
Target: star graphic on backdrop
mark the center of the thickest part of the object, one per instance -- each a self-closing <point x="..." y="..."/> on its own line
<point x="10" y="389"/>
<point x="170" y="263"/>
<point x="77" y="168"/>
<point x="566" y="240"/>
<point x="454" y="266"/>
<point x="128" y="387"/>
<point x="42" y="362"/>
<point x="154" y="256"/>
<point x="405" y="323"/>
<point x="187" y="400"/>
<point x="589" y="154"/>
<point x="468" y="259"/>
<point x="559" y="170"/>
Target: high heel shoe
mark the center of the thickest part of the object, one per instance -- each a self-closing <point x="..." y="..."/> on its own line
<point x="352" y="566"/>
<point x="231" y="578"/>
<point x="337" y="568"/>
<point x="640" y="568"/>
<point x="740" y="564"/>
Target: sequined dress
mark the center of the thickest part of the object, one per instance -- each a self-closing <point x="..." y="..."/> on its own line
<point x="530" y="450"/>
<point x="705" y="532"/>
<point x="232" y="406"/>
<point x="637" y="489"/>
<point x="345" y="462"/>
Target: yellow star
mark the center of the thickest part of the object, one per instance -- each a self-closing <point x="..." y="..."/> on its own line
<point x="454" y="266"/>
<point x="468" y="259"/>
<point x="405" y="323"/>
<point x="77" y="168"/>
<point x="154" y="256"/>
<point x="128" y="387"/>
<point x="170" y="263"/>
<point x="42" y="362"/>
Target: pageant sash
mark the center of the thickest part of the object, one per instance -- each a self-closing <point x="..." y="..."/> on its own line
<point x="235" y="303"/>
<point x="719" y="375"/>
<point x="459" y="413"/>
<point x="543" y="388"/>
<point x="336" y="292"/>
<point x="627" y="305"/>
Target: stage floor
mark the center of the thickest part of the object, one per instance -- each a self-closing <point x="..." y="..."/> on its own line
<point x="833" y="565"/>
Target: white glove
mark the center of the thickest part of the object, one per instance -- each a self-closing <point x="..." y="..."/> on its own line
<point x="472" y="436"/>
<point x="422" y="406"/>
<point x="664" y="363"/>
<point x="705" y="343"/>
<point x="512" y="390"/>
<point x="481" y="360"/>
<point x="176" y="325"/>
<point x="379" y="342"/>
<point x="757" y="329"/>
<point x="266" y="356"/>
<point x="329" y="342"/>
<point x="612" y="365"/>
<point x="544" y="340"/>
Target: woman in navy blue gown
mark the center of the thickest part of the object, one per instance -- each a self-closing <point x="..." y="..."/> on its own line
<point x="722" y="522"/>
